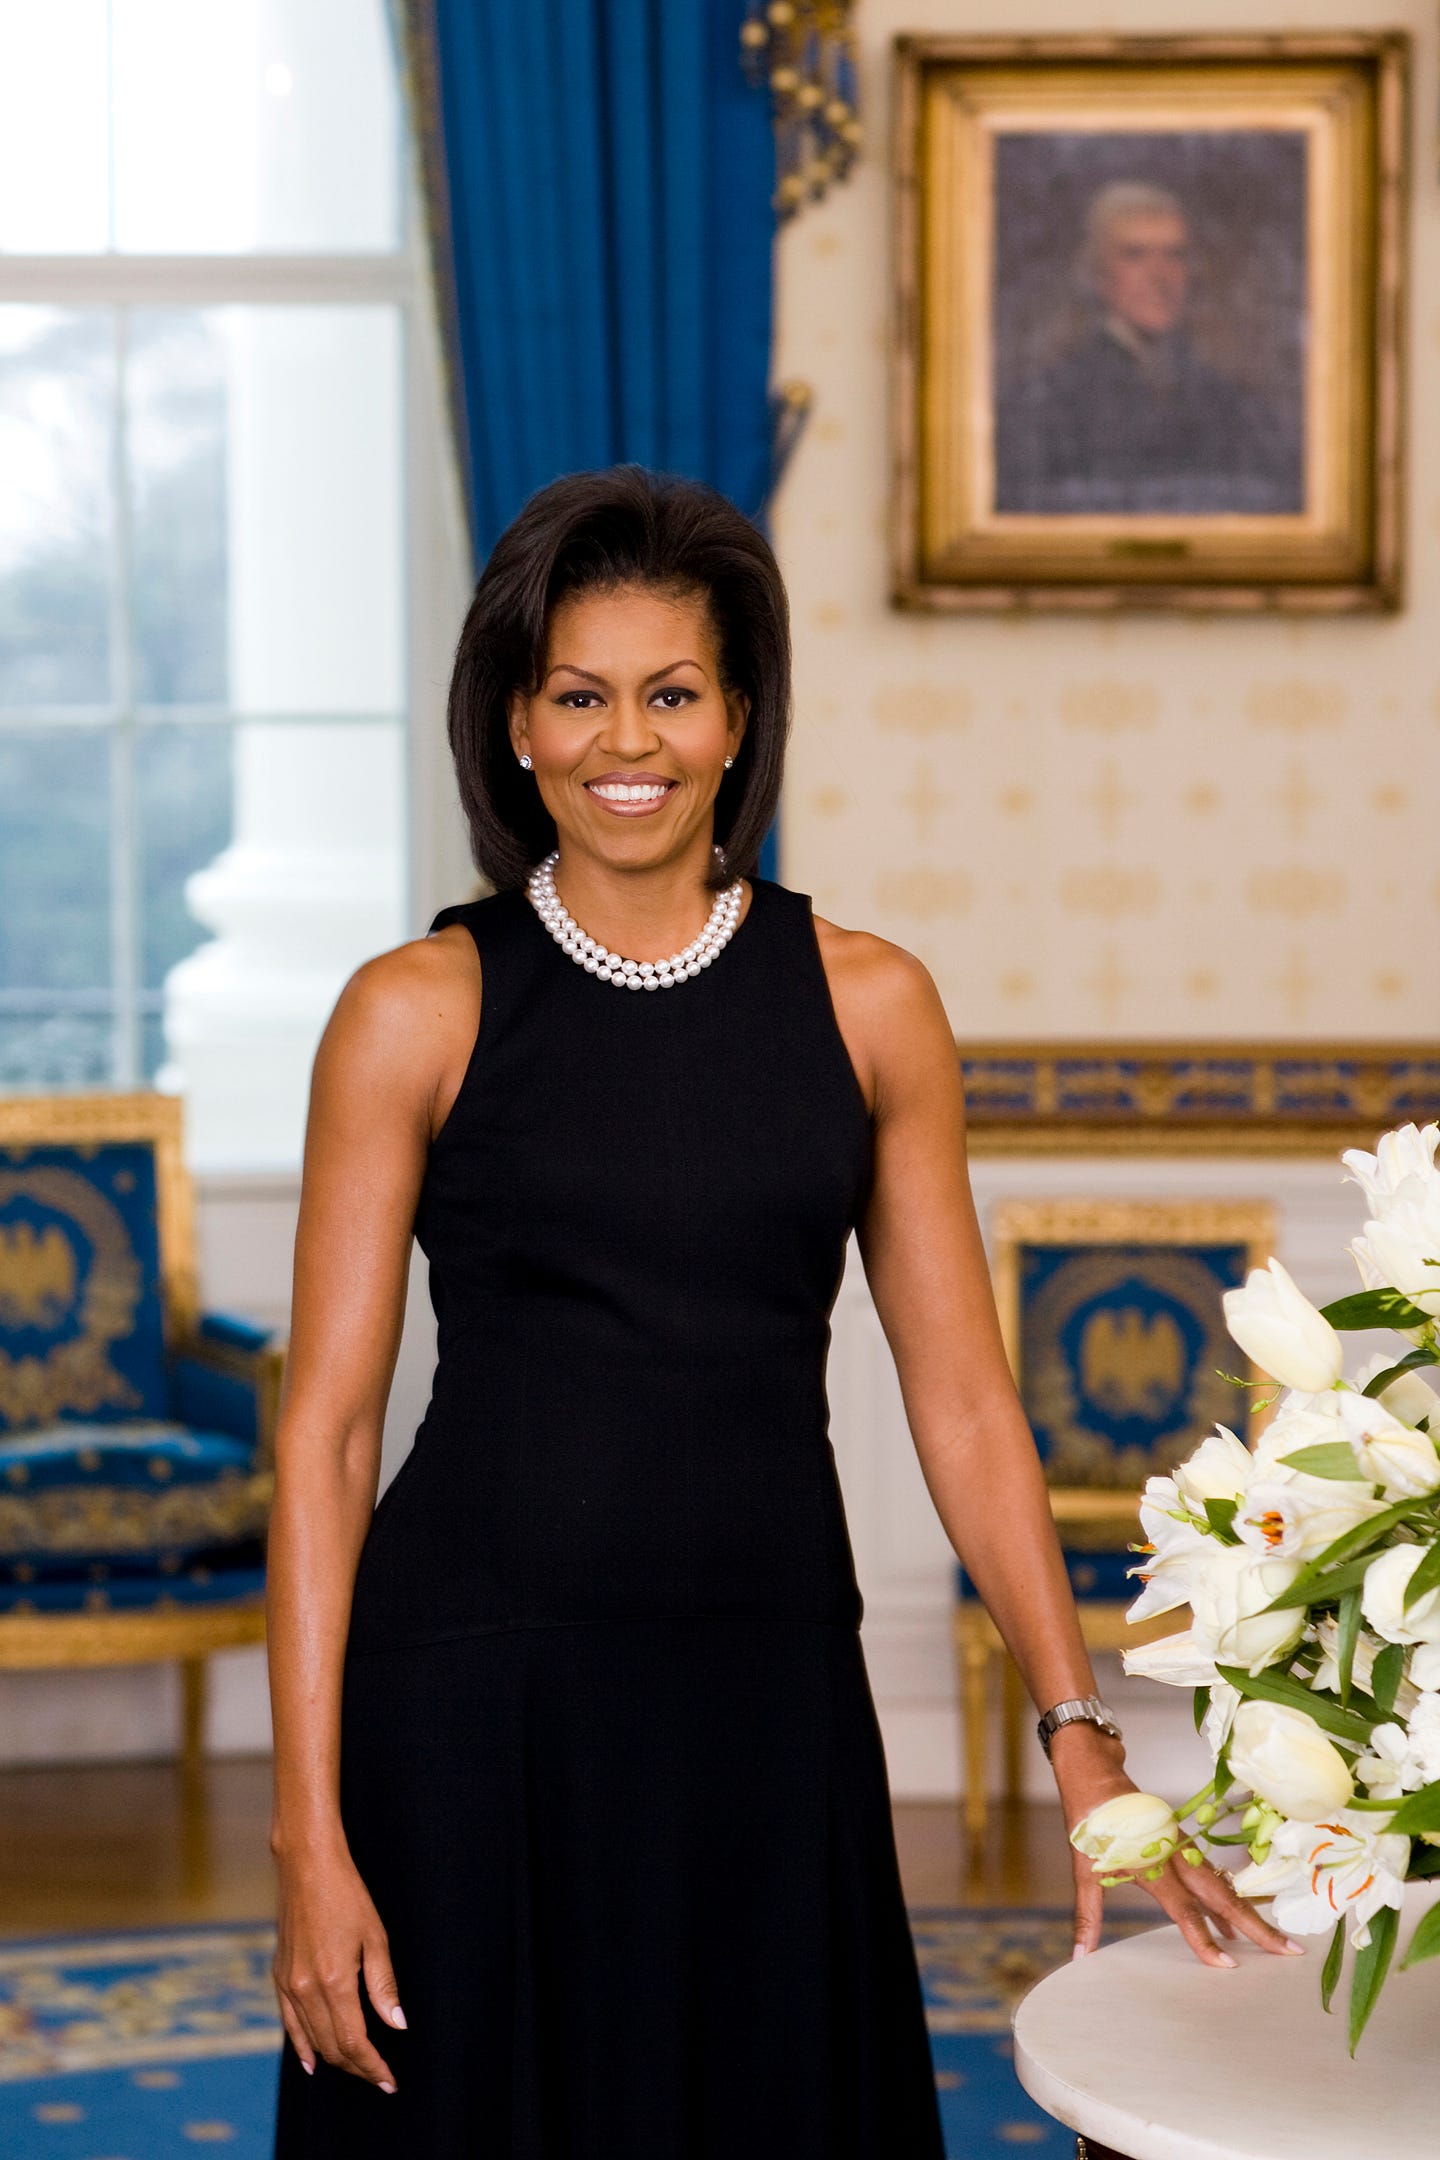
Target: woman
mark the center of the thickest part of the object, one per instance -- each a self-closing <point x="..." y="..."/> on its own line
<point x="581" y="1813"/>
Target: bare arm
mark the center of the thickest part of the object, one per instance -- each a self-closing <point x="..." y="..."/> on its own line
<point x="387" y="1065"/>
<point x="926" y="1266"/>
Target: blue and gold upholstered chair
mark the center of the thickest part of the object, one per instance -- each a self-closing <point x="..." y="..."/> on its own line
<point x="1113" y="1323"/>
<point x="136" y="1432"/>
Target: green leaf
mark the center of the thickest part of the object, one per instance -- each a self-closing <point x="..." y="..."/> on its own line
<point x="1412" y="1362"/>
<point x="1425" y="1942"/>
<point x="1220" y="1514"/>
<point x="1202" y="1705"/>
<point x="1374" y="1308"/>
<point x="1330" y="1459"/>
<point x="1328" y="1590"/>
<point x="1424" y="1861"/>
<point x="1330" y="1970"/>
<point x="1385" y="1676"/>
<point x="1346" y="1725"/>
<point x="1371" y="1965"/>
<point x="1425" y="1577"/>
<point x="1359" y="1538"/>
<point x="1418" y="1812"/>
<point x="1349" y="1636"/>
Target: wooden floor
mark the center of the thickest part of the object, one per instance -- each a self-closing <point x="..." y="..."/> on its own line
<point x="129" y="1845"/>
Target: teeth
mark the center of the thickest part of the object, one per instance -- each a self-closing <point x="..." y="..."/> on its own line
<point x="635" y="791"/>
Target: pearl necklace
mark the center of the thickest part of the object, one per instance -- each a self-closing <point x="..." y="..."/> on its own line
<point x="606" y="966"/>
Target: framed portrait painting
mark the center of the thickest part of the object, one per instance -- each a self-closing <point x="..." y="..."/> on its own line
<point x="1149" y="324"/>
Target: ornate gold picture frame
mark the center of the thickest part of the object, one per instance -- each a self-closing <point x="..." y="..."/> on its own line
<point x="1150" y="318"/>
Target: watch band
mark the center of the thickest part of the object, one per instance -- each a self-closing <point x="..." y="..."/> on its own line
<point x="1077" y="1710"/>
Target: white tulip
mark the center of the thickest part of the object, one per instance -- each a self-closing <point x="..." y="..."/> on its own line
<point x="1404" y="1461"/>
<point x="1292" y="1516"/>
<point x="1219" y="1469"/>
<point x="1228" y="1599"/>
<point x="1382" y="1599"/>
<point x="1346" y="1866"/>
<point x="1301" y="1419"/>
<point x="1128" y="1835"/>
<point x="1399" y="1249"/>
<point x="1286" y="1760"/>
<point x="1179" y="1660"/>
<point x="1276" y="1324"/>
<point x="1424" y="1670"/>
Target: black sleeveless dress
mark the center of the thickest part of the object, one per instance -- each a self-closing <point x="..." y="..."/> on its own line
<point x="611" y="1768"/>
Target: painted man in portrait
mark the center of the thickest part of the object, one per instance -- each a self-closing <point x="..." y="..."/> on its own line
<point x="1130" y="417"/>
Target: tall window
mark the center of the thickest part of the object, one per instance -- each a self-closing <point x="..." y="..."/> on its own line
<point x="205" y="284"/>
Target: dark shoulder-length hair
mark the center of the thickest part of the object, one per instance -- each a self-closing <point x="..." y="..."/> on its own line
<point x="596" y="531"/>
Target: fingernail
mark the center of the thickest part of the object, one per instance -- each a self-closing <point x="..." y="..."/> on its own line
<point x="397" y="2017"/>
<point x="308" y="2068"/>
<point x="1077" y="1952"/>
<point x="1226" y="1959"/>
<point x="1296" y="1949"/>
<point x="387" y="2088"/>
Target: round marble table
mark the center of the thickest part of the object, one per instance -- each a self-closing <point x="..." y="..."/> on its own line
<point x="1157" y="2057"/>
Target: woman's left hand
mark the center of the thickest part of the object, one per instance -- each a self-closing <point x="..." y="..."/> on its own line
<point x="1089" y="1767"/>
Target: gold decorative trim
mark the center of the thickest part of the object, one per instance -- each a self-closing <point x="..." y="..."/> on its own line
<point x="83" y="1520"/>
<point x="150" y="1119"/>
<point x="1207" y="1098"/>
<point x="40" y="1642"/>
<point x="804" y="52"/>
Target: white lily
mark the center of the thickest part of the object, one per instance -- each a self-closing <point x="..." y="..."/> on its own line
<point x="1317" y="1873"/>
<point x="1186" y="1660"/>
<point x="1174" y="1538"/>
<point x="1225" y="1700"/>
<point x="1229" y="1598"/>
<point x="1404" y="1756"/>
<point x="1411" y="1398"/>
<point x="1293" y="1516"/>
<point x="1220" y="1469"/>
<point x="1275" y="1323"/>
<point x="1325" y="1680"/>
<point x="1382" y="1599"/>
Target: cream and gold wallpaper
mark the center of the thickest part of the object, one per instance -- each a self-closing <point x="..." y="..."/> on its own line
<point x="1183" y="827"/>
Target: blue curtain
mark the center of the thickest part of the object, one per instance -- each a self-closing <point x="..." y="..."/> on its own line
<point x="598" y="177"/>
<point x="603" y="238"/>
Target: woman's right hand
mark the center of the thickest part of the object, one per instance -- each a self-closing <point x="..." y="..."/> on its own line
<point x="331" y="1944"/>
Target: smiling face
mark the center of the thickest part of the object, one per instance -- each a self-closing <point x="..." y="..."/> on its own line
<point x="1145" y="267"/>
<point x="630" y="726"/>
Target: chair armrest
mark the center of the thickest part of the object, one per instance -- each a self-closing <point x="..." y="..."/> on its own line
<point x="226" y="1376"/>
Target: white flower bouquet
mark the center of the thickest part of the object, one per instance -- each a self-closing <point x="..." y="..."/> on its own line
<point x="1311" y="1566"/>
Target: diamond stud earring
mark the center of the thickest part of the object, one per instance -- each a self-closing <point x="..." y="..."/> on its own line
<point x="526" y="761"/>
<point x="728" y="763"/>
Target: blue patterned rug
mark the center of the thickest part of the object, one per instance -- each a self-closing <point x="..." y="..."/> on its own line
<point x="143" y="2046"/>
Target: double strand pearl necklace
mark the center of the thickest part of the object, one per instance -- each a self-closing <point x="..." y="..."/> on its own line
<point x="607" y="966"/>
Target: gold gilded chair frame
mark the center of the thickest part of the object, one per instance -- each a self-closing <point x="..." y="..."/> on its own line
<point x="1113" y="1515"/>
<point x="31" y="1642"/>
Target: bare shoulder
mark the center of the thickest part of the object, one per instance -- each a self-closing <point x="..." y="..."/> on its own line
<point x="888" y="1008"/>
<point x="405" y="1021"/>
<point x="874" y="974"/>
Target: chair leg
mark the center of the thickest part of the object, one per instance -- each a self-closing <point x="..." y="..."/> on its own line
<point x="975" y="1678"/>
<point x="1014" y="1698"/>
<point x="194" y="1693"/>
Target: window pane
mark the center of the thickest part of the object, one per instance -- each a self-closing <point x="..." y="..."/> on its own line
<point x="316" y="509"/>
<point x="185" y="810"/>
<point x="54" y="859"/>
<point x="57" y="374"/>
<point x="175" y="430"/>
<point x="280" y="114"/>
<point x="46" y="1049"/>
<point x="54" y="141"/>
